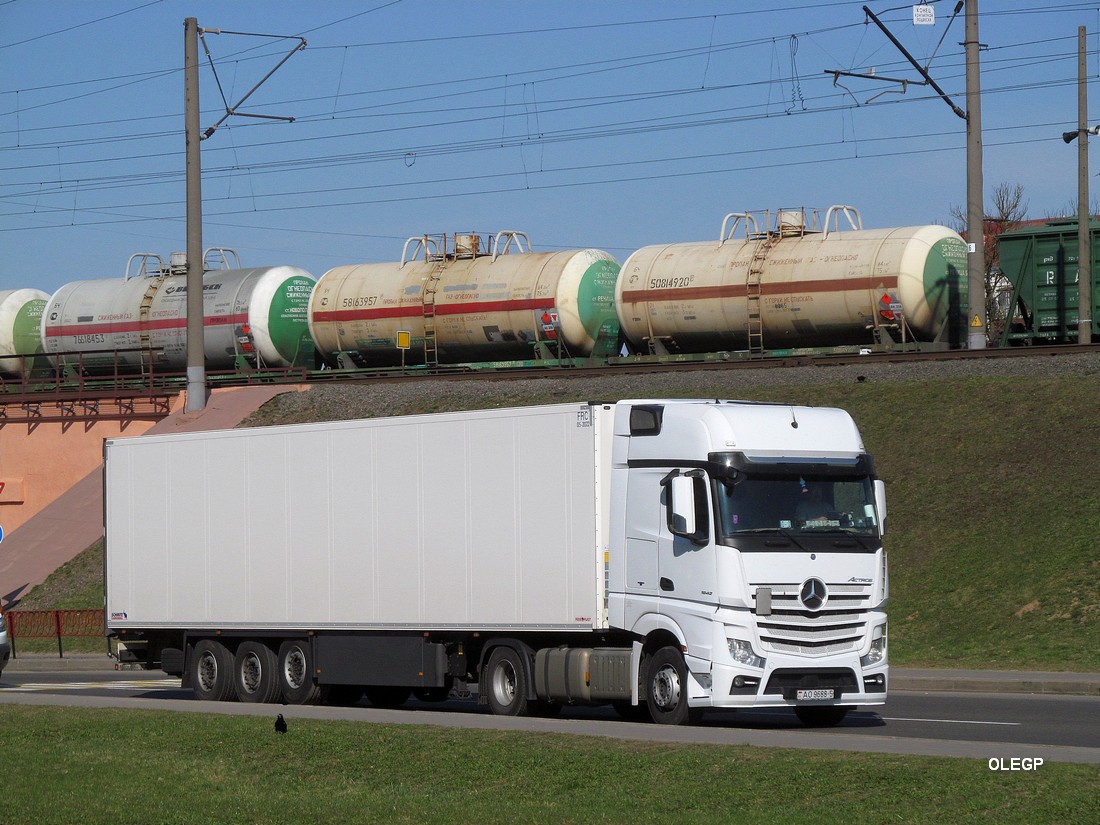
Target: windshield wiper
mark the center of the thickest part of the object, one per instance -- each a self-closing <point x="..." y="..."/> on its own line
<point x="865" y="541"/>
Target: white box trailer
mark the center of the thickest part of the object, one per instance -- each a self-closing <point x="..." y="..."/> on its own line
<point x="634" y="552"/>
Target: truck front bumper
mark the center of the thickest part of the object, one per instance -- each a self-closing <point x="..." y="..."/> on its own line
<point x="793" y="682"/>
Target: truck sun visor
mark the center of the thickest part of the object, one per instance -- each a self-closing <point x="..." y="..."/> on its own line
<point x="789" y="465"/>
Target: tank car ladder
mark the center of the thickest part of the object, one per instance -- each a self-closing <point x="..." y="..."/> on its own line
<point x="150" y="266"/>
<point x="431" y="286"/>
<point x="753" y="292"/>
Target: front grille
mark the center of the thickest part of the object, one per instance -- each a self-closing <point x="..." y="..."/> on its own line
<point x="839" y="626"/>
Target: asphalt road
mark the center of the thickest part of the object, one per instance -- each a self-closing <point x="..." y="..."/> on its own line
<point x="993" y="729"/>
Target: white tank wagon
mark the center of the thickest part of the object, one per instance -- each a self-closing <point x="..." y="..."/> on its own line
<point x="459" y="303"/>
<point x="793" y="285"/>
<point x="254" y="316"/>
<point x="20" y="318"/>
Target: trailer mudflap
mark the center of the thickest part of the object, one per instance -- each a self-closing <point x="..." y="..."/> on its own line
<point x="171" y="661"/>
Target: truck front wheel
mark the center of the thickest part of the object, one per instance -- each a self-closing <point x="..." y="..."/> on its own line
<point x="507" y="682"/>
<point x="296" y="674"/>
<point x="666" y="687"/>
<point x="212" y="672"/>
<point x="254" y="673"/>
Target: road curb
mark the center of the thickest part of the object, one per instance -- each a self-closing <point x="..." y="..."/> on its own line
<point x="995" y="681"/>
<point x="44" y="663"/>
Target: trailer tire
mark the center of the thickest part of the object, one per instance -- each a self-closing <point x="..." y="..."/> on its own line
<point x="296" y="673"/>
<point x="255" y="673"/>
<point x="506" y="679"/>
<point x="212" y="672"/>
<point x="666" y="685"/>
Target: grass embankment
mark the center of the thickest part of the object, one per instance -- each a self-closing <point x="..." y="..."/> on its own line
<point x="136" y="766"/>
<point x="76" y="585"/>
<point x="994" y="519"/>
<point x="994" y="511"/>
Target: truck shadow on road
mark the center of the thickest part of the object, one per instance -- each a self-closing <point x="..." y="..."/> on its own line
<point x="761" y="719"/>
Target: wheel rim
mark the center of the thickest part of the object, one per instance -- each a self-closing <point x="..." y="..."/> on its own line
<point x="251" y="673"/>
<point x="294" y="668"/>
<point x="207" y="671"/>
<point x="504" y="683"/>
<point x="666" y="687"/>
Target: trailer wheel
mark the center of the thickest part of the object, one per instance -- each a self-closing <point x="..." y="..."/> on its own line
<point x="818" y="716"/>
<point x="254" y="673"/>
<point x="212" y="672"/>
<point x="296" y="674"/>
<point x="507" y="682"/>
<point x="666" y="687"/>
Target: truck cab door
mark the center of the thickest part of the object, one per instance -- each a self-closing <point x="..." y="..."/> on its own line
<point x="643" y="529"/>
<point x="685" y="550"/>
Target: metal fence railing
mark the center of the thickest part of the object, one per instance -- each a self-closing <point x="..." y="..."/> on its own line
<point x="52" y="624"/>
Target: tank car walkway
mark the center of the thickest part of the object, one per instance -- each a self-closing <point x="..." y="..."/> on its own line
<point x="75" y="520"/>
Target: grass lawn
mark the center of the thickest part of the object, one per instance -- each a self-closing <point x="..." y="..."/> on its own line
<point x="68" y="765"/>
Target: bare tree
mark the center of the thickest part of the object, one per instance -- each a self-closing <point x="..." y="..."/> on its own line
<point x="1009" y="210"/>
<point x="1069" y="211"/>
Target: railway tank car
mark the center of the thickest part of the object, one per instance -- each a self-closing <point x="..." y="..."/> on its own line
<point x="801" y="283"/>
<point x="464" y="298"/>
<point x="20" y="319"/>
<point x="252" y="317"/>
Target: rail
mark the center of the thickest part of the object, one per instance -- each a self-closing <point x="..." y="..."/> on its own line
<point x="53" y="624"/>
<point x="88" y="398"/>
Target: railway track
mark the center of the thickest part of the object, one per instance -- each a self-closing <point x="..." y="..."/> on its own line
<point x="54" y="398"/>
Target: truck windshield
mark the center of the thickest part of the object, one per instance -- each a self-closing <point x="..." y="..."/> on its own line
<point x="798" y="506"/>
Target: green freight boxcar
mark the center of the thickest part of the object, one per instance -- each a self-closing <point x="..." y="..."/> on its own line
<point x="1040" y="264"/>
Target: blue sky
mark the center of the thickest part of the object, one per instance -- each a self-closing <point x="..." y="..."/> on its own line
<point x="584" y="124"/>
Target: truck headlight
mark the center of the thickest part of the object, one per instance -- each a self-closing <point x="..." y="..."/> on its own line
<point x="877" y="653"/>
<point x="741" y="652"/>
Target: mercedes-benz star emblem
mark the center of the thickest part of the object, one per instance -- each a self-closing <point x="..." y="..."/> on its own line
<point x="813" y="594"/>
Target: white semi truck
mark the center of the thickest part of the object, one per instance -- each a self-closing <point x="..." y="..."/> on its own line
<point x="663" y="556"/>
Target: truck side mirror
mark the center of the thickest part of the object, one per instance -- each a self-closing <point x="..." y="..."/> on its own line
<point x="880" y="505"/>
<point x="682" y="521"/>
<point x="687" y="507"/>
